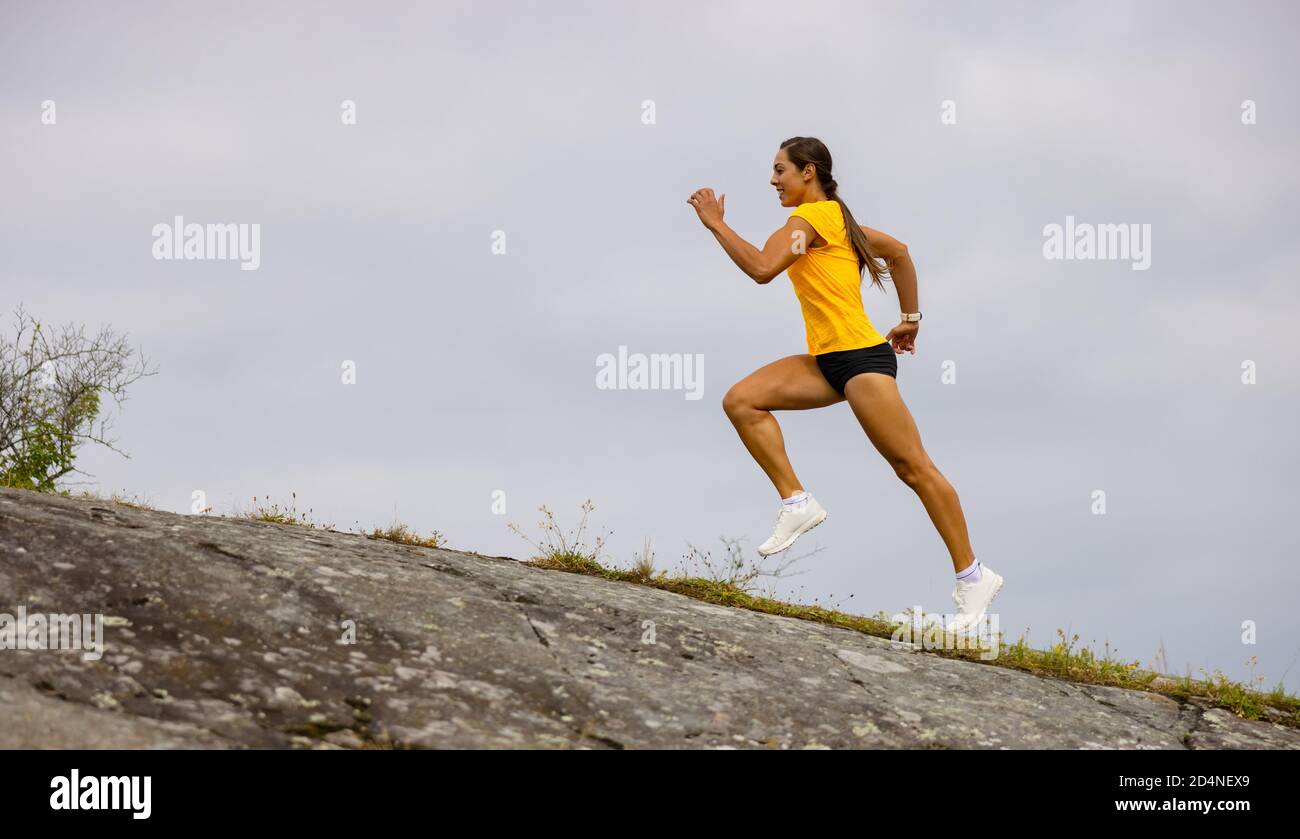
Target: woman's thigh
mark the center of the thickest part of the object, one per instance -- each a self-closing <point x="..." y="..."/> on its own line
<point x="792" y="383"/>
<point x="879" y="407"/>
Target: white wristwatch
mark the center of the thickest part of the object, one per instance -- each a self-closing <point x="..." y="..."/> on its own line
<point x="911" y="317"/>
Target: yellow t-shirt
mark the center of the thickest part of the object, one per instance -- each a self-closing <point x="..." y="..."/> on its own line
<point x="828" y="283"/>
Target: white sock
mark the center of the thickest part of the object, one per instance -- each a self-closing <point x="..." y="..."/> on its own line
<point x="971" y="573"/>
<point x="796" y="502"/>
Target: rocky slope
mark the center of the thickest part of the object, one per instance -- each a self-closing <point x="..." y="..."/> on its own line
<point x="229" y="633"/>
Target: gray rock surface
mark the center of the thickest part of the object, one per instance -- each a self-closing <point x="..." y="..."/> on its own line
<point x="230" y="633"/>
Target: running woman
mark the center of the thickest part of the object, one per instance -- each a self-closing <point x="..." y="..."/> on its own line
<point x="825" y="250"/>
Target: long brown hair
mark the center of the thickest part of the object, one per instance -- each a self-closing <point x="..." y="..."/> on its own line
<point x="805" y="150"/>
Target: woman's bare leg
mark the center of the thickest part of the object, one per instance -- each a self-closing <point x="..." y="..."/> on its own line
<point x="792" y="383"/>
<point x="879" y="407"/>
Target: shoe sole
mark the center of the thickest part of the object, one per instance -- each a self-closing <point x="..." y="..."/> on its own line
<point x="788" y="542"/>
<point x="981" y="615"/>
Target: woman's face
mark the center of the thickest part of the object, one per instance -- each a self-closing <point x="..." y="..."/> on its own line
<point x="788" y="180"/>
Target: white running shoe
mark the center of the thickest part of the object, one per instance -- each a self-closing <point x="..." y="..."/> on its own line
<point x="973" y="600"/>
<point x="791" y="524"/>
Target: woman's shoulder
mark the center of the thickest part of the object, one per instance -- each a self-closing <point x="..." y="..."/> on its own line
<point x="818" y="209"/>
<point x="821" y="213"/>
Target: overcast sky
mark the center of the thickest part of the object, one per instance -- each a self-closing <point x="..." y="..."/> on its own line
<point x="476" y="369"/>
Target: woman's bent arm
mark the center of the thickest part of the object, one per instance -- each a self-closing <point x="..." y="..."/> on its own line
<point x="747" y="257"/>
<point x="901" y="269"/>
<point x="777" y="254"/>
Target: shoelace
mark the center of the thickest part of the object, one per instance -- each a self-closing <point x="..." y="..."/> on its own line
<point x="959" y="594"/>
<point x="786" y="511"/>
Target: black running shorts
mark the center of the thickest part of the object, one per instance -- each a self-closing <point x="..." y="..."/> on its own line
<point x="839" y="367"/>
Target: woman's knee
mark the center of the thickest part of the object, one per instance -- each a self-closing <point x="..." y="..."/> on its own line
<point x="736" y="401"/>
<point x="914" y="470"/>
